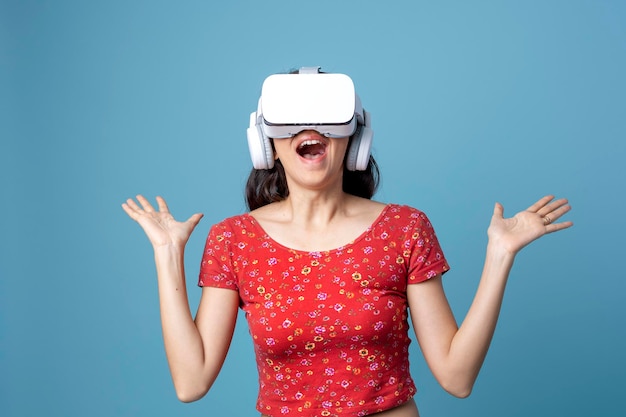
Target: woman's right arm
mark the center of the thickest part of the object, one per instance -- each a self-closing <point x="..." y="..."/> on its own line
<point x="195" y="350"/>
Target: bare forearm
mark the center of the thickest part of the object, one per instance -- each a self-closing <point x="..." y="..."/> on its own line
<point x="471" y="342"/>
<point x="183" y="343"/>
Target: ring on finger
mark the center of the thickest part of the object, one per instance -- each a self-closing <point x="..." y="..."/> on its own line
<point x="547" y="220"/>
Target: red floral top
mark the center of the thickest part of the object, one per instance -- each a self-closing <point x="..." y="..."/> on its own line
<point x="329" y="328"/>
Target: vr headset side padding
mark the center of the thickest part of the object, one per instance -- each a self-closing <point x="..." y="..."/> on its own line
<point x="357" y="155"/>
<point x="259" y="145"/>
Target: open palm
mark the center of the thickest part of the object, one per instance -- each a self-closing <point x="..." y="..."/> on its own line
<point x="526" y="226"/>
<point x="159" y="225"/>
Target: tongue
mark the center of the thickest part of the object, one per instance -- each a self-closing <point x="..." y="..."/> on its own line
<point x="312" y="151"/>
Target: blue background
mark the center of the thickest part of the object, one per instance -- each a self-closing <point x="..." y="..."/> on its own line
<point x="472" y="103"/>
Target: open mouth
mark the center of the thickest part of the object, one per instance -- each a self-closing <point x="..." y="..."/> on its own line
<point x="311" y="149"/>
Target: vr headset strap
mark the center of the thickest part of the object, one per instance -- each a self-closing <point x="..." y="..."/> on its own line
<point x="309" y="70"/>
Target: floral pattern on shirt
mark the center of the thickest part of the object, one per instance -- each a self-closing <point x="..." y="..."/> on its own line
<point x="330" y="328"/>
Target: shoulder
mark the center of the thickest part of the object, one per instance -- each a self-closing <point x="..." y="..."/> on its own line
<point x="405" y="218"/>
<point x="236" y="219"/>
<point x="402" y="211"/>
<point x="234" y="232"/>
<point x="390" y="214"/>
<point x="232" y="224"/>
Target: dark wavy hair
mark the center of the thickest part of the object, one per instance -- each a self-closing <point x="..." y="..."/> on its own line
<point x="267" y="186"/>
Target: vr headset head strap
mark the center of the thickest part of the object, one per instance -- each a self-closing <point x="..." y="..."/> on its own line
<point x="309" y="70"/>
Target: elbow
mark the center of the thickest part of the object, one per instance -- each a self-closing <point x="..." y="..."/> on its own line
<point x="192" y="387"/>
<point x="190" y="394"/>
<point x="460" y="393"/>
<point x="458" y="389"/>
<point x="457" y="382"/>
<point x="186" y="397"/>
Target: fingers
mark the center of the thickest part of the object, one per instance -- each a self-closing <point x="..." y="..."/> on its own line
<point x="553" y="207"/>
<point x="195" y="219"/>
<point x="129" y="209"/>
<point x="540" y="204"/>
<point x="134" y="210"/>
<point x="498" y="211"/>
<point x="130" y="203"/>
<point x="550" y="211"/>
<point x="551" y="217"/>
<point x="554" y="212"/>
<point x="162" y="204"/>
<point x="555" y="227"/>
<point x="147" y="207"/>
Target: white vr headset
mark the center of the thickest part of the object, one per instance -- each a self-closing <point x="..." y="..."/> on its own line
<point x="309" y="100"/>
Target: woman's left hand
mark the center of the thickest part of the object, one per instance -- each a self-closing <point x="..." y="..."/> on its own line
<point x="526" y="226"/>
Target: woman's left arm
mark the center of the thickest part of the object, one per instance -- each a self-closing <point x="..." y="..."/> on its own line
<point x="455" y="354"/>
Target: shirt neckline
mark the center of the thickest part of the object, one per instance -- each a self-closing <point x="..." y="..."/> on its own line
<point x="343" y="247"/>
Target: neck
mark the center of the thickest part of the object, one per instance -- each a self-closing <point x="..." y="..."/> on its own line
<point x="314" y="207"/>
<point x="314" y="210"/>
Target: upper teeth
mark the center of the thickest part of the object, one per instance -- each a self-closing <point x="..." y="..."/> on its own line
<point x="310" y="142"/>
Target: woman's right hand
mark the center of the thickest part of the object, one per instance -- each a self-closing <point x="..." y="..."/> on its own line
<point x="159" y="225"/>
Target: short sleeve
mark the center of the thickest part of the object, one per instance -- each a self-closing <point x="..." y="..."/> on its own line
<point x="426" y="259"/>
<point x="216" y="268"/>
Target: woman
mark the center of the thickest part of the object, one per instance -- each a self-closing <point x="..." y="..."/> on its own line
<point x="327" y="278"/>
